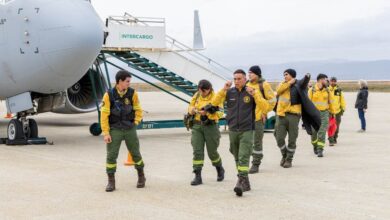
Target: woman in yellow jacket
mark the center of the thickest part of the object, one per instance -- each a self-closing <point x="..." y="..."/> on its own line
<point x="205" y="131"/>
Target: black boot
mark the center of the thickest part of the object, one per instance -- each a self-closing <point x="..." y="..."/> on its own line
<point x="320" y="153"/>
<point x="287" y="163"/>
<point x="141" y="178"/>
<point x="246" y="185"/>
<point x="284" y="156"/>
<point x="111" y="182"/>
<point x="254" y="169"/>
<point x="198" y="178"/>
<point x="220" y="173"/>
<point x="315" y="149"/>
<point x="239" y="189"/>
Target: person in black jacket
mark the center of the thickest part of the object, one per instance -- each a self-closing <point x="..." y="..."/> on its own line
<point x="241" y="102"/>
<point x="361" y="103"/>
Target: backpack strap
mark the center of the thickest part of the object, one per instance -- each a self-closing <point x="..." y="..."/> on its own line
<point x="262" y="90"/>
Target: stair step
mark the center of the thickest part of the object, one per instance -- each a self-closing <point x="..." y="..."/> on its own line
<point x="158" y="70"/>
<point x="140" y="61"/>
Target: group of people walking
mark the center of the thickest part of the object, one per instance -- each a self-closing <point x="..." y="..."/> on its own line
<point x="246" y="105"/>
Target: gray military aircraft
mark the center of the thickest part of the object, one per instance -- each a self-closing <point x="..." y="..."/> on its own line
<point x="46" y="50"/>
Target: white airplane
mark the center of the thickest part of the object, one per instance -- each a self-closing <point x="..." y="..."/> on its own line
<point x="46" y="49"/>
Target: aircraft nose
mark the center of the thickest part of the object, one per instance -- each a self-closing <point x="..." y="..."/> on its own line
<point x="72" y="39"/>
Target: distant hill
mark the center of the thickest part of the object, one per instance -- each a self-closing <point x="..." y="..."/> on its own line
<point x="344" y="70"/>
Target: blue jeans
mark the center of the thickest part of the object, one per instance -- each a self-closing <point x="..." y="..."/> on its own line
<point x="362" y="118"/>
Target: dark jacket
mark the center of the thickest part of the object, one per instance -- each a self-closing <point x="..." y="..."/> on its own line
<point x="362" y="98"/>
<point x="240" y="110"/>
<point x="310" y="115"/>
<point x="122" y="112"/>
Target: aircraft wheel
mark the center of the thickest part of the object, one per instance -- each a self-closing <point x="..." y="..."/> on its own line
<point x="15" y="130"/>
<point x="95" y="129"/>
<point x="32" y="124"/>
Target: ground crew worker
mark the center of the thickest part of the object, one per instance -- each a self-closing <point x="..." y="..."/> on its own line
<point x="205" y="131"/>
<point x="339" y="107"/>
<point x="322" y="98"/>
<point x="287" y="119"/>
<point x="258" y="83"/>
<point x="120" y="114"/>
<point x="241" y="104"/>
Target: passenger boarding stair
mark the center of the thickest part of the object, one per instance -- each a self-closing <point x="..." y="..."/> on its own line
<point x="174" y="64"/>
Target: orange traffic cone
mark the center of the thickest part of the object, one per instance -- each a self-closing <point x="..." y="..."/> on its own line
<point x="130" y="161"/>
<point x="8" y="115"/>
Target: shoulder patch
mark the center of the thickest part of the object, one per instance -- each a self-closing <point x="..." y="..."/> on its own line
<point x="247" y="99"/>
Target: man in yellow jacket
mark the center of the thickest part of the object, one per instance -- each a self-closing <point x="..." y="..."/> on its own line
<point x="339" y="107"/>
<point x="288" y="115"/>
<point x="258" y="83"/>
<point x="121" y="112"/>
<point x="323" y="99"/>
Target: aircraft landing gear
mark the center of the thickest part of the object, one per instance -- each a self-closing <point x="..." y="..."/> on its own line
<point x="23" y="131"/>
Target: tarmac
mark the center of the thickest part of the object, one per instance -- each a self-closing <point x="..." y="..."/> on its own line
<point x="67" y="180"/>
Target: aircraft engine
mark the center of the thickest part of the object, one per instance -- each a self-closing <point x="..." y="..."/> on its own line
<point x="79" y="98"/>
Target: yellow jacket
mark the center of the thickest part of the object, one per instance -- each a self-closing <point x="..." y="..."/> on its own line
<point x="284" y="101"/>
<point x="106" y="108"/>
<point x="322" y="98"/>
<point x="261" y="103"/>
<point x="198" y="102"/>
<point x="269" y="96"/>
<point x="339" y="100"/>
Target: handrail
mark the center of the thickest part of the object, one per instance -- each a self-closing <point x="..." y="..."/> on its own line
<point x="175" y="45"/>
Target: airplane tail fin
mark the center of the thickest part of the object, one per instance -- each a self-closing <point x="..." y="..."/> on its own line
<point x="198" y="38"/>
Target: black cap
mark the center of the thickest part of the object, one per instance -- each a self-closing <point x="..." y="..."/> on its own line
<point x="256" y="70"/>
<point x="333" y="79"/>
<point x="292" y="72"/>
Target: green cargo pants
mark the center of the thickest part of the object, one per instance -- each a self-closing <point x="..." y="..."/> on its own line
<point x="209" y="136"/>
<point x="132" y="143"/>
<point x="318" y="138"/>
<point x="241" y="146"/>
<point x="288" y="124"/>
<point x="257" y="153"/>
<point x="336" y="135"/>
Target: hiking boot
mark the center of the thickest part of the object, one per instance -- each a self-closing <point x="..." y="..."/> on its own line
<point x="239" y="189"/>
<point x="287" y="164"/>
<point x="111" y="182"/>
<point x="254" y="169"/>
<point x="141" y="178"/>
<point x="320" y="153"/>
<point x="220" y="173"/>
<point x="198" y="178"/>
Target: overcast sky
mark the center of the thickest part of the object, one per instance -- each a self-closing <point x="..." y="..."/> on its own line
<point x="278" y="31"/>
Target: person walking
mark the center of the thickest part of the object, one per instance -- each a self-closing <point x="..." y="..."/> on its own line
<point x="205" y="131"/>
<point x="121" y="112"/>
<point x="323" y="100"/>
<point x="339" y="107"/>
<point x="241" y="102"/>
<point x="258" y="83"/>
<point x="288" y="115"/>
<point x="362" y="104"/>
